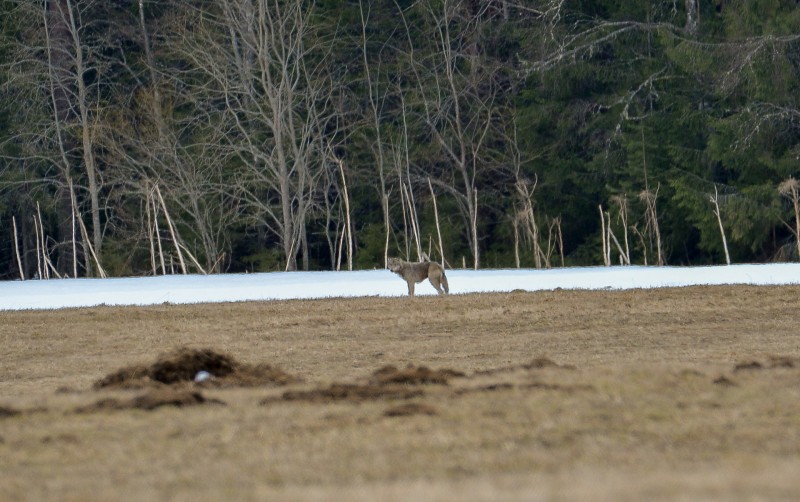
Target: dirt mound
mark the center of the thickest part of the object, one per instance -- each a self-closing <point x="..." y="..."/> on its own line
<point x="182" y="365"/>
<point x="568" y="388"/>
<point x="413" y="375"/>
<point x="724" y="381"/>
<point x="185" y="363"/>
<point x="500" y="386"/>
<point x="543" y="362"/>
<point x="151" y="400"/>
<point x="388" y="382"/>
<point x="772" y="362"/>
<point x="130" y="377"/>
<point x="492" y="387"/>
<point x="252" y="376"/>
<point x="350" y="392"/>
<point x="748" y="365"/>
<point x="8" y="412"/>
<point x="536" y="363"/>
<point x="784" y="362"/>
<point x="409" y="409"/>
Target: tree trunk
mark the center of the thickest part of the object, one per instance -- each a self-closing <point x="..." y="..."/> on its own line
<point x="87" y="138"/>
<point x="692" y="17"/>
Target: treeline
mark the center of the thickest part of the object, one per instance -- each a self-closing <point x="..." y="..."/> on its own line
<point x="183" y="136"/>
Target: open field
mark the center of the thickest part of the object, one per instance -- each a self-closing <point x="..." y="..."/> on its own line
<point x="667" y="394"/>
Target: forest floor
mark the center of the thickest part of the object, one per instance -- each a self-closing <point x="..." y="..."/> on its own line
<point x="665" y="394"/>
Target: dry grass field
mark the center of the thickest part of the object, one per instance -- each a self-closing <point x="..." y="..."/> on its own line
<point x="671" y="394"/>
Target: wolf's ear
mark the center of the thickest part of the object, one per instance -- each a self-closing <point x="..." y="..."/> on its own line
<point x="424" y="256"/>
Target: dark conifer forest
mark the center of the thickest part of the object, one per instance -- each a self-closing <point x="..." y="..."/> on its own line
<point x="204" y="136"/>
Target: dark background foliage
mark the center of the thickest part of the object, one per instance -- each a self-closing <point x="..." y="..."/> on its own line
<point x="263" y="135"/>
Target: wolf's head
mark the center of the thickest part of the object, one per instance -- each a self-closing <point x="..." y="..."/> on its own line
<point x="394" y="264"/>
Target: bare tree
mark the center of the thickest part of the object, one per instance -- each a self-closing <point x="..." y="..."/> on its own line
<point x="151" y="145"/>
<point x="527" y="218"/>
<point x="257" y="64"/>
<point x="348" y="227"/>
<point x="373" y="91"/>
<point x="652" y="229"/>
<point x="692" y="16"/>
<point x="58" y="73"/>
<point x="458" y="100"/>
<point x="401" y="161"/>
<point x="621" y="203"/>
<point x="715" y="200"/>
<point x="790" y="189"/>
<point x="605" y="234"/>
<point x="16" y="249"/>
<point x="438" y="227"/>
<point x="71" y="58"/>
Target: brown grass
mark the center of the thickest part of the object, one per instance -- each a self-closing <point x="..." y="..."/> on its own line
<point x="690" y="393"/>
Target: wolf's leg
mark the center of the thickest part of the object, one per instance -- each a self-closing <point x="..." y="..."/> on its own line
<point x="434" y="279"/>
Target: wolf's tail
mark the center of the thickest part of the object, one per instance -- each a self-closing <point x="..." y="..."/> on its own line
<point x="445" y="286"/>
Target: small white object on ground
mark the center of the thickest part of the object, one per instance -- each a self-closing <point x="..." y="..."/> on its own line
<point x="202" y="376"/>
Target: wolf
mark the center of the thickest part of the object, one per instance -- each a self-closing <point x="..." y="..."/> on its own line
<point x="418" y="272"/>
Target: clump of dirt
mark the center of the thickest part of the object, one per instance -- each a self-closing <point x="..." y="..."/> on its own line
<point x="388" y="382"/>
<point x="409" y="409"/>
<point x="350" y="392"/>
<point x="724" y="381"/>
<point x="537" y="385"/>
<point x="784" y="362"/>
<point x="185" y="363"/>
<point x="130" y="377"/>
<point x="60" y="438"/>
<point x="492" y="387"/>
<point x="772" y="362"/>
<point x="6" y="412"/>
<point x="543" y="362"/>
<point x="748" y="365"/>
<point x="413" y="375"/>
<point x="252" y="376"/>
<point x="568" y="388"/>
<point x="151" y="400"/>
<point x="169" y="397"/>
<point x="181" y="366"/>
<point x="536" y="363"/>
